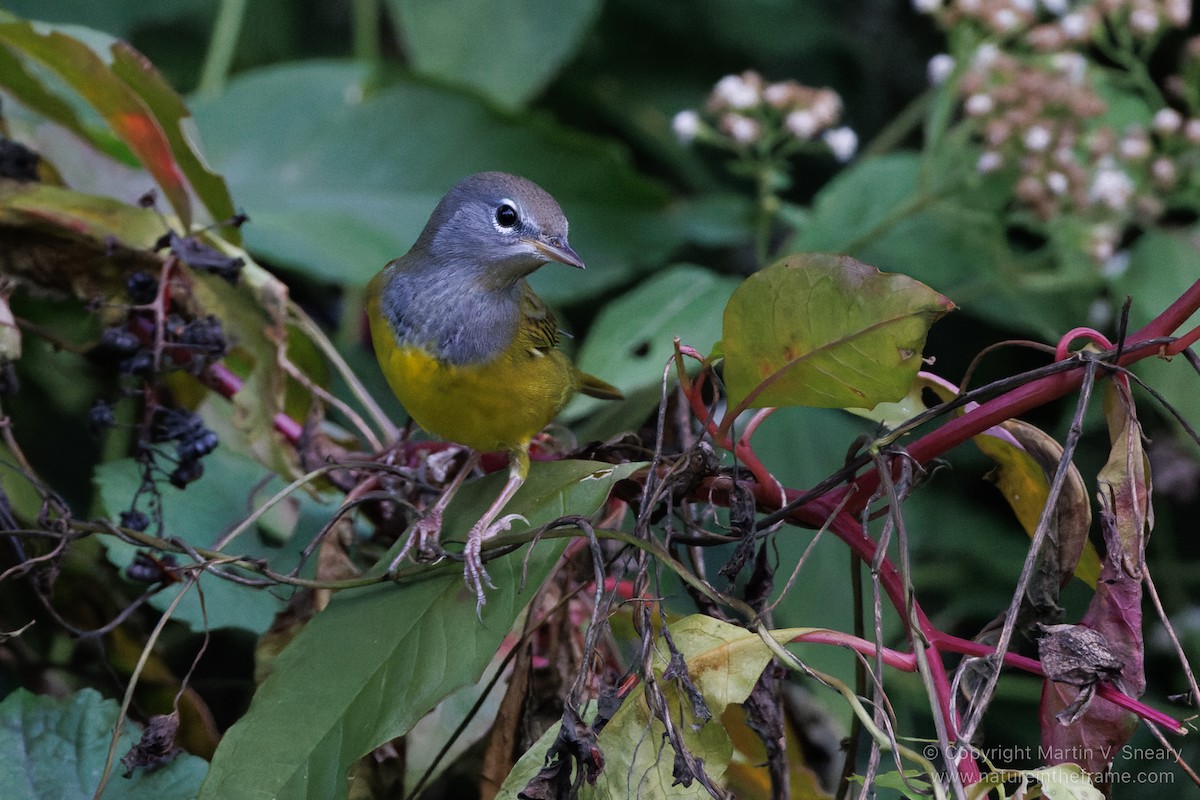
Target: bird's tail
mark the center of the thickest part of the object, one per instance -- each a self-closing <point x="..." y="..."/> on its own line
<point x="594" y="387"/>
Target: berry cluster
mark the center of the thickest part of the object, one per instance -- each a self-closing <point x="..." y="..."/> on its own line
<point x="151" y="341"/>
<point x="185" y="429"/>
<point x="186" y="344"/>
<point x="193" y="441"/>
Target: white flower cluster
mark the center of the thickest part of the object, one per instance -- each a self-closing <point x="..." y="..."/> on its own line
<point x="1030" y="98"/>
<point x="744" y="110"/>
<point x="1052" y="24"/>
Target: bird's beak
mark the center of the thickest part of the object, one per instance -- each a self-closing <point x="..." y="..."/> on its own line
<point x="557" y="250"/>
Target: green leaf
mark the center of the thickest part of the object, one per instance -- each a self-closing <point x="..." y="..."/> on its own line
<point x="881" y="212"/>
<point x="87" y="73"/>
<point x="231" y="487"/>
<point x="715" y="219"/>
<point x="1066" y="782"/>
<point x="724" y="662"/>
<point x="633" y="337"/>
<point x="1161" y="267"/>
<point x="828" y="331"/>
<point x="24" y="86"/>
<point x="859" y="204"/>
<point x="913" y="784"/>
<point x="56" y="748"/>
<point x="1125" y="107"/>
<point x="506" y="51"/>
<point x="339" y="213"/>
<point x="477" y="704"/>
<point x="374" y="662"/>
<point x="960" y="250"/>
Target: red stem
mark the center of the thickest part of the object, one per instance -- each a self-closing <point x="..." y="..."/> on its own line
<point x="1026" y="397"/>
<point x="1107" y="691"/>
<point x="226" y="383"/>
<point x="907" y="662"/>
<point x="741" y="449"/>
<point x="842" y="517"/>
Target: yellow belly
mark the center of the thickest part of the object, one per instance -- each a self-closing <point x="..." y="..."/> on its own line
<point x="496" y="405"/>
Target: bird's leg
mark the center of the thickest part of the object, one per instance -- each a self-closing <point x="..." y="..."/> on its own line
<point x="488" y="526"/>
<point x="429" y="528"/>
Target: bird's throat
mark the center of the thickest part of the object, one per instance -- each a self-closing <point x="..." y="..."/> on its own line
<point x="457" y="322"/>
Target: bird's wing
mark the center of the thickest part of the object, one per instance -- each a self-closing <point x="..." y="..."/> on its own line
<point x="538" y="326"/>
<point x="540" y="332"/>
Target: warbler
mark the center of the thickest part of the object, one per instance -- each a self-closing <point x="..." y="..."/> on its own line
<point x="467" y="346"/>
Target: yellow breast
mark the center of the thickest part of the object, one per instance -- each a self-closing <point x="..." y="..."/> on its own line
<point x="495" y="405"/>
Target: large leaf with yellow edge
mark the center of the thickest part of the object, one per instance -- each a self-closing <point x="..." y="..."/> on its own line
<point x="828" y="331"/>
<point x="1026" y="459"/>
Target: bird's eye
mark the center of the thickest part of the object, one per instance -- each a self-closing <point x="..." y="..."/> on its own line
<point x="506" y="216"/>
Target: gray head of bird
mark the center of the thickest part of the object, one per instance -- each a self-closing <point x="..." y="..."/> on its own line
<point x="499" y="226"/>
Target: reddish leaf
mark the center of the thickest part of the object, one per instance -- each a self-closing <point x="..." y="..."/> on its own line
<point x="173" y="115"/>
<point x="120" y="106"/>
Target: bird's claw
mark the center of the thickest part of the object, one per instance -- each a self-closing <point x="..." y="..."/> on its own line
<point x="424" y="539"/>
<point x="475" y="575"/>
<point x="428" y="534"/>
<point x="503" y="524"/>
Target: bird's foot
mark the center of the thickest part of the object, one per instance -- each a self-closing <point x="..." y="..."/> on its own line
<point x="428" y="534"/>
<point x="474" y="573"/>
<point x="424" y="539"/>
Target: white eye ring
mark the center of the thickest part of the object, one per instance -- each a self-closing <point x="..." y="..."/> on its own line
<point x="506" y="217"/>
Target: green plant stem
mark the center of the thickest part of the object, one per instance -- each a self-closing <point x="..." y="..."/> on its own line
<point x="1117" y="42"/>
<point x="768" y="205"/>
<point x="908" y="120"/>
<point x="219" y="59"/>
<point x="364" y="22"/>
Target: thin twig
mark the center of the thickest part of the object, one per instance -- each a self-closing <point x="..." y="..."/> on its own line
<point x="982" y="697"/>
<point x="133" y="682"/>
<point x="1184" y="664"/>
<point x="329" y="398"/>
<point x="318" y="337"/>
